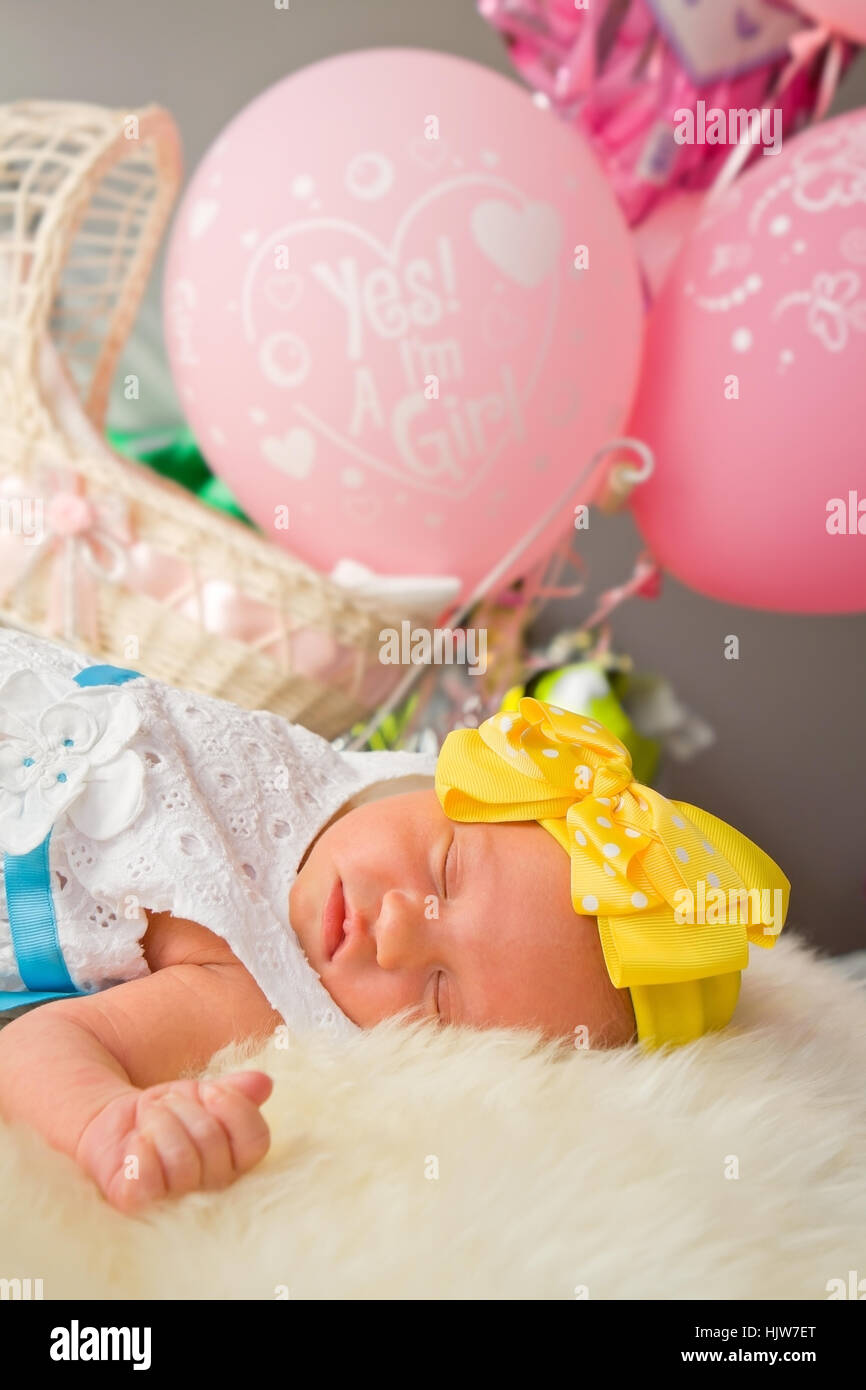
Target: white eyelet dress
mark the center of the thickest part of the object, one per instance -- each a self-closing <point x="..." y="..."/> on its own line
<point x="120" y="794"/>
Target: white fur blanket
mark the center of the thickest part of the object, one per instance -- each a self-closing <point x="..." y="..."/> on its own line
<point x="407" y="1165"/>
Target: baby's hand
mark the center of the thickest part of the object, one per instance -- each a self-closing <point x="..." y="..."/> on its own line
<point x="181" y="1136"/>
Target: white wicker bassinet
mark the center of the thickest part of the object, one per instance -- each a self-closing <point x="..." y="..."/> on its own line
<point x="85" y="194"/>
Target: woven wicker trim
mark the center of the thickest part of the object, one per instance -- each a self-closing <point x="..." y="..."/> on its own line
<point x="85" y="194"/>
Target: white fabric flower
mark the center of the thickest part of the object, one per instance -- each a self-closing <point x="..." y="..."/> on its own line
<point x="63" y="749"/>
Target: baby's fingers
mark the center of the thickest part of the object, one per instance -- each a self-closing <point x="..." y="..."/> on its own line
<point x="228" y="1101"/>
<point x="211" y="1143"/>
<point x="160" y="1160"/>
<point x="177" y="1147"/>
<point x="255" y="1085"/>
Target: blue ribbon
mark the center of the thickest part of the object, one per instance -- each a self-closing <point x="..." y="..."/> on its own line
<point x="30" y="903"/>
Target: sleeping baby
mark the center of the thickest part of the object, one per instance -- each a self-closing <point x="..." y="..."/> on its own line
<point x="179" y="873"/>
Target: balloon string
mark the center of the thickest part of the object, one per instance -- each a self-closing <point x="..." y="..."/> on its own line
<point x="739" y="156"/>
<point x="830" y="74"/>
<point x="499" y="570"/>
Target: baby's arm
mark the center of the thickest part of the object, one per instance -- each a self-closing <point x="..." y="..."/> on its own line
<point x="97" y="1077"/>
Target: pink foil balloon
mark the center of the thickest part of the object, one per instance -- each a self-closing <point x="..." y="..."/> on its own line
<point x="622" y="71"/>
<point x="753" y="398"/>
<point x="331" y="266"/>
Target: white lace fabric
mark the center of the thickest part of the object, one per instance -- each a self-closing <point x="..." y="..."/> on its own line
<point x="232" y="799"/>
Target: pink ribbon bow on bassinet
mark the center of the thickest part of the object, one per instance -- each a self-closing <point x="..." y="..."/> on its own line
<point x="86" y="538"/>
<point x="91" y="539"/>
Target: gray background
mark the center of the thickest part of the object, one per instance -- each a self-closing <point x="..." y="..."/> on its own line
<point x="789" y="763"/>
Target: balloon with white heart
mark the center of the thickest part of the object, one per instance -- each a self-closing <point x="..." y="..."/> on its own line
<point x="292" y="453"/>
<point x="401" y="349"/>
<point x="523" y="242"/>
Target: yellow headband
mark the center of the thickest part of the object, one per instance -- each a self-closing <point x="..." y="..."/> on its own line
<point x="639" y="862"/>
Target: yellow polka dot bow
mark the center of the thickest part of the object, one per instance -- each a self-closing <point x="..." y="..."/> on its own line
<point x="678" y="894"/>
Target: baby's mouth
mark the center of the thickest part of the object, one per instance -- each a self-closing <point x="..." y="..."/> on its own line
<point x="333" y="919"/>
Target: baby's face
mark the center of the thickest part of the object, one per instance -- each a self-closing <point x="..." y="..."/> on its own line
<point x="464" y="923"/>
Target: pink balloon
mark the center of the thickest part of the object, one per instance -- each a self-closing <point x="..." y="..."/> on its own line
<point x="660" y="236"/>
<point x="847" y="17"/>
<point x="754" y="394"/>
<point x="373" y="230"/>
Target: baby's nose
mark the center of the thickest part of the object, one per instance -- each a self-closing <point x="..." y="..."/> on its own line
<point x="402" y="939"/>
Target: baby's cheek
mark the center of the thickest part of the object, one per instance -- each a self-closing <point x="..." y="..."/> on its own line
<point x="598" y="1015"/>
<point x="566" y="992"/>
<point x="369" y="995"/>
